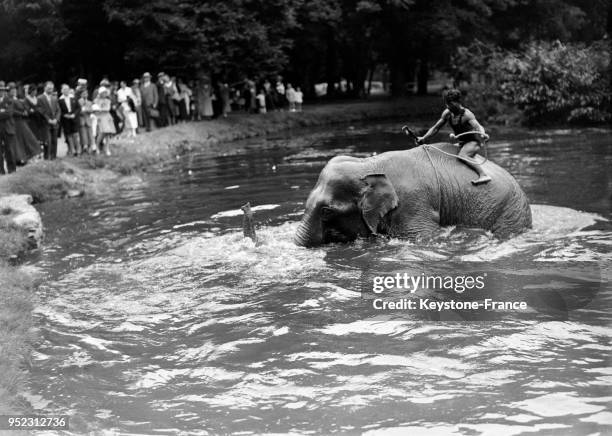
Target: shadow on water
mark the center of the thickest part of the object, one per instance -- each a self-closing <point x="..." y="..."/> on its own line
<point x="159" y="317"/>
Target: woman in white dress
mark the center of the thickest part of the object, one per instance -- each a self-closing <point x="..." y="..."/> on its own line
<point x="204" y="97"/>
<point x="105" y="125"/>
<point x="126" y="98"/>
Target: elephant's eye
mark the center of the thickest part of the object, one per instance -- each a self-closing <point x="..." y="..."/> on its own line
<point x="327" y="212"/>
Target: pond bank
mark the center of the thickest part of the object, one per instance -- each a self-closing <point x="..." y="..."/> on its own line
<point x="20" y="231"/>
<point x="88" y="175"/>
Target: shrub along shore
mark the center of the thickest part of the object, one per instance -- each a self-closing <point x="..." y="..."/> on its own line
<point x="20" y="230"/>
<point x="88" y="175"/>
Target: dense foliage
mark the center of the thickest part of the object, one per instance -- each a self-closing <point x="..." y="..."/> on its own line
<point x="308" y="41"/>
<point x="545" y="81"/>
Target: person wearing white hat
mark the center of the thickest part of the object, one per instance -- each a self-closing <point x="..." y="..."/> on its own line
<point x="137" y="101"/>
<point x="105" y="125"/>
<point x="71" y="112"/>
<point x="86" y="123"/>
<point x="81" y="86"/>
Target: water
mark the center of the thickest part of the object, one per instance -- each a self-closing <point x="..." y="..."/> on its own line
<point x="158" y="317"/>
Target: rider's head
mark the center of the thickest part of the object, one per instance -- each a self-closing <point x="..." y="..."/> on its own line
<point x="452" y="100"/>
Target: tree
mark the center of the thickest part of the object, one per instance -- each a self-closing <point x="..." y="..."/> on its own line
<point x="229" y="38"/>
<point x="311" y="41"/>
<point x="31" y="36"/>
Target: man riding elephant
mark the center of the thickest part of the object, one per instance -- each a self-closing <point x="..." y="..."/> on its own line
<point x="466" y="128"/>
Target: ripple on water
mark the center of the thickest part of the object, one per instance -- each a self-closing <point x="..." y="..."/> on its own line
<point x="551" y="226"/>
<point x="558" y="404"/>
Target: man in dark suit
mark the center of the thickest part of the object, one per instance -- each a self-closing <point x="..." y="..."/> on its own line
<point x="69" y="106"/>
<point x="7" y="131"/>
<point x="150" y="100"/>
<point x="162" y="104"/>
<point x="49" y="108"/>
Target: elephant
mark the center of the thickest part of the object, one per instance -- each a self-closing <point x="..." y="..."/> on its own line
<point x="409" y="194"/>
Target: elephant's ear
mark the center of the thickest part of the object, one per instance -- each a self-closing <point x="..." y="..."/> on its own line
<point x="377" y="199"/>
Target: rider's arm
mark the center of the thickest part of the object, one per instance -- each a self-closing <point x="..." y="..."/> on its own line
<point x="436" y="127"/>
<point x="469" y="116"/>
<point x="474" y="124"/>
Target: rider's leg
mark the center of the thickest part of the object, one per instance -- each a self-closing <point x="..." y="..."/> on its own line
<point x="468" y="151"/>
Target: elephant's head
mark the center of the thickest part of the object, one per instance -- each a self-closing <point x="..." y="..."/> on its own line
<point x="347" y="202"/>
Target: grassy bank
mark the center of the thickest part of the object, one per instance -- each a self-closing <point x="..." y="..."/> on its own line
<point x="13" y="240"/>
<point x="16" y="297"/>
<point x="16" y="333"/>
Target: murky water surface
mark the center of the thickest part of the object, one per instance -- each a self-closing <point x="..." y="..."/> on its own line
<point x="158" y="317"/>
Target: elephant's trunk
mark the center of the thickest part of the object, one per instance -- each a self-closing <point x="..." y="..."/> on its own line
<point x="308" y="234"/>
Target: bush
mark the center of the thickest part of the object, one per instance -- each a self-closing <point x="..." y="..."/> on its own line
<point x="13" y="240"/>
<point x="41" y="180"/>
<point x="545" y="81"/>
<point x="16" y="334"/>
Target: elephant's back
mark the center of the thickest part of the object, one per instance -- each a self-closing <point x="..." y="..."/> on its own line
<point x="443" y="157"/>
<point x="499" y="205"/>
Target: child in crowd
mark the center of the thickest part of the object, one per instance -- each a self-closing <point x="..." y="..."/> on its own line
<point x="86" y="133"/>
<point x="299" y="97"/>
<point x="461" y="120"/>
<point x="105" y="126"/>
<point x="261" y="101"/>
<point x="290" y="94"/>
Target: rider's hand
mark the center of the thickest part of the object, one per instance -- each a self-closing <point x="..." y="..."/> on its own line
<point x="452" y="136"/>
<point x="420" y="140"/>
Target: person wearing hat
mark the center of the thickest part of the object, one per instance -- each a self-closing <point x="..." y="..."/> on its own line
<point x="48" y="106"/>
<point x="137" y="101"/>
<point x="27" y="145"/>
<point x="80" y="87"/>
<point x="71" y="112"/>
<point x="36" y="122"/>
<point x="150" y="100"/>
<point x="7" y="131"/>
<point x="105" y="125"/>
<point x="163" y="102"/>
<point x="86" y="123"/>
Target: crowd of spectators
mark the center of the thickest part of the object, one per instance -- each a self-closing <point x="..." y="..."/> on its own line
<point x="34" y="116"/>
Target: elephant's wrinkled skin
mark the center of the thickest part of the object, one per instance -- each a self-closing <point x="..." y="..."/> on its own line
<point x="400" y="194"/>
